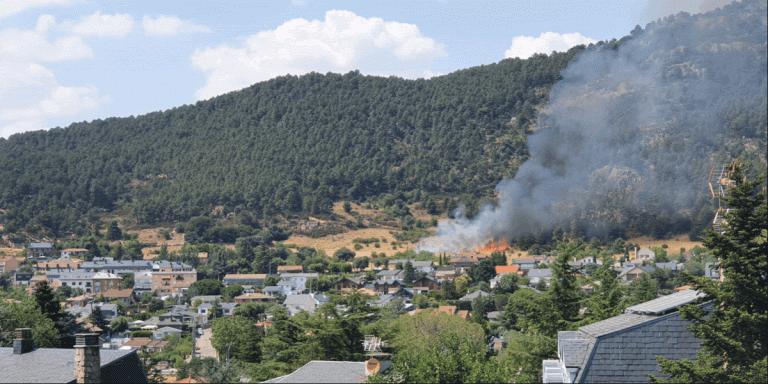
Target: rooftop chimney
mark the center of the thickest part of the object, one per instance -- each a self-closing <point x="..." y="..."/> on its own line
<point x="23" y="342"/>
<point x="87" y="358"/>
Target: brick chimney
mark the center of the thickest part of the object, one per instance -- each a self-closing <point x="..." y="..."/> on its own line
<point x="23" y="342"/>
<point x="87" y="358"/>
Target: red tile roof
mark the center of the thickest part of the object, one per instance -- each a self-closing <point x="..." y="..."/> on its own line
<point x="507" y="269"/>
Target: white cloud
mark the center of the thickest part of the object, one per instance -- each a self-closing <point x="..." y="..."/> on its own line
<point x="170" y="25"/>
<point x="17" y="45"/>
<point x="44" y="23"/>
<point x="343" y="42"/>
<point x="30" y="96"/>
<point x="104" y="25"/>
<point x="15" y="77"/>
<point x="525" y="46"/>
<point x="12" y="7"/>
<point x="59" y="101"/>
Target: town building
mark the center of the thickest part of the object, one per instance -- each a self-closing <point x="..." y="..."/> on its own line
<point x="73" y="252"/>
<point x="40" y="251"/>
<point x="253" y="298"/>
<point x="104" y="281"/>
<point x="255" y="279"/>
<point x="172" y="283"/>
<point x="8" y="264"/>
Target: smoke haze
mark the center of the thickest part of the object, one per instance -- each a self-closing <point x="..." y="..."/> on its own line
<point x="633" y="128"/>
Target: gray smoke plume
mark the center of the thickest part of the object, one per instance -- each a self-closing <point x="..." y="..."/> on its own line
<point x="630" y="128"/>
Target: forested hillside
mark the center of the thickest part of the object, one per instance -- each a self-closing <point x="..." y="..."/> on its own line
<point x="291" y="144"/>
<point x="635" y="125"/>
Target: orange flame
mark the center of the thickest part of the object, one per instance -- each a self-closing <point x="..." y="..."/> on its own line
<point x="495" y="247"/>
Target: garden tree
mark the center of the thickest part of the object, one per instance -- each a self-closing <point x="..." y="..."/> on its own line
<point x="149" y="361"/>
<point x="564" y="292"/>
<point x="119" y="324"/>
<point x="114" y="232"/>
<point x="482" y="271"/>
<point x="132" y="250"/>
<point x="734" y="341"/>
<point x="64" y="291"/>
<point x="26" y="313"/>
<point x="281" y="349"/>
<point x="432" y="347"/>
<point x="205" y="287"/>
<point x="344" y="254"/>
<point x="154" y="305"/>
<point x="460" y="284"/>
<point x="409" y="273"/>
<point x="333" y="337"/>
<point x="51" y="308"/>
<point x="508" y="283"/>
<point x="499" y="258"/>
<point x="361" y="263"/>
<point x="128" y="281"/>
<point x="216" y="372"/>
<point x="239" y="335"/>
<point x="6" y="280"/>
<point x="271" y="281"/>
<point x="98" y="319"/>
<point x="481" y="305"/>
<point x="232" y="291"/>
<point x="643" y="288"/>
<point x="607" y="298"/>
<point x="47" y="301"/>
<point x="253" y="311"/>
<point x="524" y="353"/>
<point x="216" y="311"/>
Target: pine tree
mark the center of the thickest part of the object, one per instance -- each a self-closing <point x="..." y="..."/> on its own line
<point x="564" y="291"/>
<point x="606" y="300"/>
<point x="98" y="318"/>
<point x="47" y="300"/>
<point x="734" y="341"/>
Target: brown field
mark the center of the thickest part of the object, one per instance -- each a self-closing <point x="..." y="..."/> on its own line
<point x="675" y="243"/>
<point x="153" y="235"/>
<point x="10" y="251"/>
<point x="331" y="244"/>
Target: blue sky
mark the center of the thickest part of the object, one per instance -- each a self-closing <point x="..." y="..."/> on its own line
<point x="63" y="61"/>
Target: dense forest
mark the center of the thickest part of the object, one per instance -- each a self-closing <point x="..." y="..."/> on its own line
<point x="294" y="145"/>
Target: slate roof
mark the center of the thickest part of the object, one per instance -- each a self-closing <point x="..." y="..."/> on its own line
<point x="53" y="365"/>
<point x="624" y="348"/>
<point x="474" y="295"/>
<point x="671" y="266"/>
<point x="542" y="272"/>
<point x="328" y="372"/>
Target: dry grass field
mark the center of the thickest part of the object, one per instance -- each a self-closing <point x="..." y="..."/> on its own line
<point x="332" y="243"/>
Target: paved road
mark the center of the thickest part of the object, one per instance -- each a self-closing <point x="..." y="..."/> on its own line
<point x="204" y="341"/>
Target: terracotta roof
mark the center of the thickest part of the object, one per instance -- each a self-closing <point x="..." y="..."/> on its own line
<point x="282" y="268"/>
<point x="246" y="276"/>
<point x="146" y="342"/>
<point x="507" y="269"/>
<point x="449" y="309"/>
<point x="119" y="293"/>
<point x="192" y="380"/>
<point x="464" y="314"/>
<point x="255" y="295"/>
<point x="74" y="250"/>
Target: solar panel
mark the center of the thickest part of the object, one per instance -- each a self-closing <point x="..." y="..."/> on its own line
<point x="666" y="303"/>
